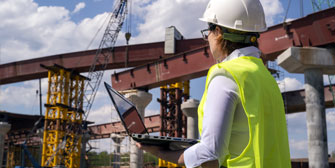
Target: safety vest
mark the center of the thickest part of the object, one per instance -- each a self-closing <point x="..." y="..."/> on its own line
<point x="263" y="105"/>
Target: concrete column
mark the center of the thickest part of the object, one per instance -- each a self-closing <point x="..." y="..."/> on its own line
<point x="171" y="35"/>
<point x="190" y="109"/>
<point x="4" y="128"/>
<point x="117" y="139"/>
<point x="316" y="119"/>
<point x="313" y="62"/>
<point x="85" y="138"/>
<point x="141" y="99"/>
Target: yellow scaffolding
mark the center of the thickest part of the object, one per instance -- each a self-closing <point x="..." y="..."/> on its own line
<point x="63" y="118"/>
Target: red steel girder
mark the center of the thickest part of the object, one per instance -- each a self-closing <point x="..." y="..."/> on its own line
<point x="183" y="67"/>
<point x="81" y="61"/>
<point x="315" y="30"/>
<point x="295" y="100"/>
<point x="152" y="123"/>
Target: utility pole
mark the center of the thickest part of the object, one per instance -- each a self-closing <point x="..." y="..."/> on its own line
<point x="40" y="96"/>
<point x="0" y="78"/>
<point x="301" y="8"/>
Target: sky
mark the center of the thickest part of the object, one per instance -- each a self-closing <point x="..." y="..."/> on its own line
<point x="37" y="28"/>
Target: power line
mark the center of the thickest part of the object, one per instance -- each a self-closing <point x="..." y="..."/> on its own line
<point x="0" y="78"/>
<point x="301" y="8"/>
<point x="288" y="8"/>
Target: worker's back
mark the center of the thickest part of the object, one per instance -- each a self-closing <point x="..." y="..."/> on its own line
<point x="262" y="101"/>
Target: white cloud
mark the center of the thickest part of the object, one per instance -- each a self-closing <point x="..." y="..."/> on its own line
<point x="290" y="84"/>
<point x="157" y="15"/>
<point x="299" y="145"/>
<point x="296" y="124"/>
<point x="150" y="112"/>
<point x="79" y="6"/>
<point x="30" y="31"/>
<point x="24" y="95"/>
<point x="272" y="10"/>
<point x="164" y="13"/>
<point x="298" y="148"/>
<point x="104" y="114"/>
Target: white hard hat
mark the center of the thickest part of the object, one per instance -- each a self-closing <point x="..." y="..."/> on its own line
<point x="243" y="15"/>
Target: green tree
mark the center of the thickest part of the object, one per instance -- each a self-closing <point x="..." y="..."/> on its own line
<point x="150" y="159"/>
<point x="99" y="159"/>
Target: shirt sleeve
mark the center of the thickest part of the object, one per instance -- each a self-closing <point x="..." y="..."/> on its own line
<point x="219" y="108"/>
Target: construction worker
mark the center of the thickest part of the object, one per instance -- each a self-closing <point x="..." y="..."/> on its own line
<point x="241" y="114"/>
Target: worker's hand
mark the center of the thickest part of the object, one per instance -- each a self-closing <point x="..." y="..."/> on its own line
<point x="176" y="156"/>
<point x="153" y="149"/>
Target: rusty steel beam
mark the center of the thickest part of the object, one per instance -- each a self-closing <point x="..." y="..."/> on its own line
<point x="81" y="61"/>
<point x="105" y="130"/>
<point x="182" y="67"/>
<point x="295" y="100"/>
<point x="317" y="29"/>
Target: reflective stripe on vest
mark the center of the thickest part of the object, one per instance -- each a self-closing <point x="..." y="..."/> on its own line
<point x="263" y="104"/>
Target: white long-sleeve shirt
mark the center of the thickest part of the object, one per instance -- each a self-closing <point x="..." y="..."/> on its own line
<point x="224" y="119"/>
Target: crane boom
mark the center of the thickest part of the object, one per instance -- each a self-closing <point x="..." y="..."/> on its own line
<point x="101" y="59"/>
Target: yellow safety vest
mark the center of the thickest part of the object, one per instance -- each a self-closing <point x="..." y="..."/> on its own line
<point x="263" y="105"/>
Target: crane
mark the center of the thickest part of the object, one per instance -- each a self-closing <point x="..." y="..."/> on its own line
<point x="74" y="98"/>
<point x="101" y="59"/>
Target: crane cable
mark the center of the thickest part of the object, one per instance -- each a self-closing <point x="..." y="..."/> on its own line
<point x="129" y="23"/>
<point x="96" y="34"/>
<point x="128" y="34"/>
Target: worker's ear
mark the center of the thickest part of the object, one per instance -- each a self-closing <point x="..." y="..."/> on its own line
<point x="218" y="30"/>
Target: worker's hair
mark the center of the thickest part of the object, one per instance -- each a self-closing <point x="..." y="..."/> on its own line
<point x="229" y="47"/>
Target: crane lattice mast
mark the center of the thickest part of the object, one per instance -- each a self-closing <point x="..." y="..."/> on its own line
<point x="103" y="54"/>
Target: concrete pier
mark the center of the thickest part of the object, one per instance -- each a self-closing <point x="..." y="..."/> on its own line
<point x="141" y="99"/>
<point x="316" y="119"/>
<point x="190" y="109"/>
<point x="313" y="62"/>
<point x="117" y="140"/>
<point x="84" y="139"/>
<point x="4" y="128"/>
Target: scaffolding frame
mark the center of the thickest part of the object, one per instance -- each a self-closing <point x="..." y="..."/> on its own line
<point x="63" y="118"/>
<point x="173" y="121"/>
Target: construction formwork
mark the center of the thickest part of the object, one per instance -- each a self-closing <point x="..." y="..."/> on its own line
<point x="173" y="121"/>
<point x="63" y="118"/>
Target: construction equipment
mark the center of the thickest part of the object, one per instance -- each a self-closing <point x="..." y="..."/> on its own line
<point x="70" y="98"/>
<point x="319" y="4"/>
<point x="173" y="121"/>
<point x="103" y="54"/>
<point x="63" y="118"/>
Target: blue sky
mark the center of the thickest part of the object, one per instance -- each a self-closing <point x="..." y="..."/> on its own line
<point x="36" y="28"/>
